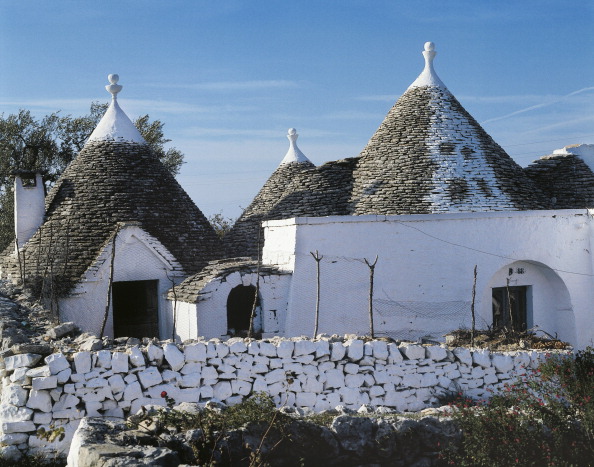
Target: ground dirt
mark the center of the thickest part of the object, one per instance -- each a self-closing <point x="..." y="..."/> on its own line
<point x="504" y="340"/>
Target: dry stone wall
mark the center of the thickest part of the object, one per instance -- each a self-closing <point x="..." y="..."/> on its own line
<point x="62" y="388"/>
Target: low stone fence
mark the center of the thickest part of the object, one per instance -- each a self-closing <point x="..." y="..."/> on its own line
<point x="315" y="375"/>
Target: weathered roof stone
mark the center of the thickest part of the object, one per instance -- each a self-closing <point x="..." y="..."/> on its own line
<point x="566" y="180"/>
<point x="109" y="183"/>
<point x="294" y="189"/>
<point x="189" y="290"/>
<point x="430" y="155"/>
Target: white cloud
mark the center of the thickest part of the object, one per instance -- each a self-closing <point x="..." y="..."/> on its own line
<point x="540" y="105"/>
<point x="226" y="86"/>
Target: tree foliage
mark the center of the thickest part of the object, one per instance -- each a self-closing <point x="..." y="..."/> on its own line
<point x="49" y="144"/>
<point x="221" y="224"/>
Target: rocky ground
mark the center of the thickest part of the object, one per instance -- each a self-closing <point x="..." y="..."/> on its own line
<point x="346" y="439"/>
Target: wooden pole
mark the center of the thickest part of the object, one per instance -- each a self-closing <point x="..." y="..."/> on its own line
<point x="109" y="286"/>
<point x="473" y="329"/>
<point x="255" y="302"/>
<point x="371" y="274"/>
<point x="318" y="258"/>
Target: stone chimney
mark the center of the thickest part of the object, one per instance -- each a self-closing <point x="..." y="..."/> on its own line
<point x="29" y="205"/>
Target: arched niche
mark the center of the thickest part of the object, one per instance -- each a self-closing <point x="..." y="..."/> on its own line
<point x="547" y="301"/>
<point x="240" y="302"/>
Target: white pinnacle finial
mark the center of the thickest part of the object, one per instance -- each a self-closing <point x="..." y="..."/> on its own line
<point x="428" y="77"/>
<point x="115" y="124"/>
<point x="114" y="87"/>
<point x="294" y="154"/>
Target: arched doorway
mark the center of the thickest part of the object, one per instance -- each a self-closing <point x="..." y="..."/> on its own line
<point x="529" y="295"/>
<point x="239" y="310"/>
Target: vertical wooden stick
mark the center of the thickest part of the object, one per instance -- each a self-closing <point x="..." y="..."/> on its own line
<point x="371" y="274"/>
<point x="473" y="329"/>
<point x="318" y="258"/>
<point x="255" y="302"/>
<point x="110" y="284"/>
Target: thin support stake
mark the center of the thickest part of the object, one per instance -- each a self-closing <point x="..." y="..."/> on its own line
<point x="371" y="276"/>
<point x="255" y="302"/>
<point x="473" y="329"/>
<point x="110" y="284"/>
<point x="318" y="258"/>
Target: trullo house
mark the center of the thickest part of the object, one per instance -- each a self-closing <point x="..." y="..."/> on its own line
<point x="431" y="197"/>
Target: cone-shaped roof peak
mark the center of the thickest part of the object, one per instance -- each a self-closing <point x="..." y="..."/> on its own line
<point x="430" y="155"/>
<point x="428" y="76"/>
<point x="294" y="154"/>
<point x="115" y="124"/>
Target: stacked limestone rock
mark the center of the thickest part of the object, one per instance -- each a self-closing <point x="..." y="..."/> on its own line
<point x="311" y="374"/>
<point x="565" y="178"/>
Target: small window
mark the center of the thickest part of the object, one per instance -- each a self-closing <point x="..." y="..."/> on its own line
<point x="510" y="307"/>
<point x="28" y="181"/>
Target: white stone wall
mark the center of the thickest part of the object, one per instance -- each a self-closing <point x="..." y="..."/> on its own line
<point x="316" y="375"/>
<point x="138" y="257"/>
<point x="424" y="274"/>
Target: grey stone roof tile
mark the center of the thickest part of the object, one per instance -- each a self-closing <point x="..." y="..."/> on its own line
<point x="566" y="180"/>
<point x="106" y="184"/>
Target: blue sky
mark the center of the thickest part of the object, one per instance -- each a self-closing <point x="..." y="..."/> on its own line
<point x="229" y="77"/>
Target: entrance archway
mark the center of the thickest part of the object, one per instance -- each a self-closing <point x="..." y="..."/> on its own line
<point x="239" y="310"/>
<point x="539" y="297"/>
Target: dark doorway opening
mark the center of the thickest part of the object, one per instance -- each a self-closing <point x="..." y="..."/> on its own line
<point x="510" y="308"/>
<point x="239" y="309"/>
<point x="135" y="309"/>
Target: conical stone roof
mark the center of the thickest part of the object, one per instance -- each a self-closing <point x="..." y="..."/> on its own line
<point x="242" y="240"/>
<point x="114" y="180"/>
<point x="566" y="176"/>
<point x="430" y="155"/>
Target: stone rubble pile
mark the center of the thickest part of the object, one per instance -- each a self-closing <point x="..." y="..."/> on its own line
<point x="58" y="390"/>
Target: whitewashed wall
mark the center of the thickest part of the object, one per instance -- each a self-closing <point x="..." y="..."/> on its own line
<point x="425" y="268"/>
<point x="138" y="257"/>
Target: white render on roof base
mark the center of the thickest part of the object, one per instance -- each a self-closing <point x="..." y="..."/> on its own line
<point x="138" y="257"/>
<point x="584" y="151"/>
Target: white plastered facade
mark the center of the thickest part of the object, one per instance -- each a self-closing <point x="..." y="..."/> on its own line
<point x="424" y="275"/>
<point x="138" y="257"/>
